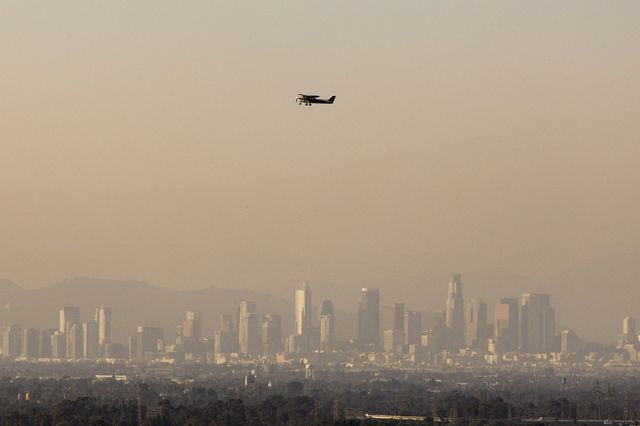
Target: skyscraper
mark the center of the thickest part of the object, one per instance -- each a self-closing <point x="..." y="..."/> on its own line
<point x="271" y="335"/>
<point x="327" y="325"/>
<point x="192" y="325"/>
<point x="454" y="312"/>
<point x="537" y="323"/>
<point x="146" y="344"/>
<point x="250" y="334"/>
<point x="226" y="323"/>
<point x="568" y="342"/>
<point x="30" y="344"/>
<point x="249" y="329"/>
<point x="75" y="342"/>
<point x="58" y="345"/>
<point x="91" y="340"/>
<point x="227" y="338"/>
<point x="412" y="327"/>
<point x="629" y="331"/>
<point x="505" y="324"/>
<point x="45" y="342"/>
<point x="220" y="342"/>
<point x="369" y="318"/>
<point x="393" y="316"/>
<point x="392" y="339"/>
<point x="68" y="315"/>
<point x="303" y="308"/>
<point x="475" y="317"/>
<point x="12" y="340"/>
<point x="103" y="319"/>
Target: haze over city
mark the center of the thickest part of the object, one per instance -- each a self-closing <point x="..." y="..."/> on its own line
<point x="278" y="212"/>
<point x="160" y="142"/>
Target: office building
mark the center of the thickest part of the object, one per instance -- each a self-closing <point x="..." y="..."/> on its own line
<point x="192" y="325"/>
<point x="454" y="312"/>
<point x="75" y="341"/>
<point x="295" y="344"/>
<point x="222" y="342"/>
<point x="68" y="315"/>
<point x="393" y="339"/>
<point x="537" y="323"/>
<point x="30" y="347"/>
<point x="91" y="340"/>
<point x="568" y="342"/>
<point x="302" y="309"/>
<point x="312" y="339"/>
<point x="393" y="316"/>
<point x="369" y="319"/>
<point x="505" y="324"/>
<point x="327" y="325"/>
<point x="432" y="340"/>
<point x="249" y="329"/>
<point x="228" y="338"/>
<point x="59" y="345"/>
<point x="271" y="335"/>
<point x="629" y="331"/>
<point x="475" y="318"/>
<point x="412" y="322"/>
<point x="147" y="343"/>
<point x="226" y="323"/>
<point x="12" y="340"/>
<point x="103" y="319"/>
<point x="132" y="346"/>
<point x="45" y="342"/>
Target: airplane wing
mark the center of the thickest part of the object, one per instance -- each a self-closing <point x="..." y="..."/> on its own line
<point x="308" y="96"/>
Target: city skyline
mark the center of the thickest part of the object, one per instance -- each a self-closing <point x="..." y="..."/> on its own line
<point x="454" y="241"/>
<point x="462" y="332"/>
<point x="497" y="140"/>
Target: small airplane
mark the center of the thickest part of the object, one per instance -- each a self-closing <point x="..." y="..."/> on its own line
<point x="313" y="99"/>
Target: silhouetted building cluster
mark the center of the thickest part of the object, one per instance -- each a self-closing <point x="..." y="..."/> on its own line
<point x="73" y="339"/>
<point x="521" y="331"/>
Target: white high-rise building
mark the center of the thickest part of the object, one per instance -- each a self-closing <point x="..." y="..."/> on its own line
<point x="68" y="317"/>
<point x="303" y="309"/>
<point x="103" y="319"/>
<point x="248" y="329"/>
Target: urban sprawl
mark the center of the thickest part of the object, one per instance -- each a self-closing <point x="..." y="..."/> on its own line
<point x="523" y="335"/>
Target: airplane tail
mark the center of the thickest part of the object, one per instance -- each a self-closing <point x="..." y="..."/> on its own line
<point x="331" y="99"/>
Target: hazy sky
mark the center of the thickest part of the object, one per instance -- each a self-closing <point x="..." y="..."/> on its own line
<point x="161" y="141"/>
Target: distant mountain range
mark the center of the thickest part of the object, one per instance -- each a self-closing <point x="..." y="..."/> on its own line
<point x="591" y="299"/>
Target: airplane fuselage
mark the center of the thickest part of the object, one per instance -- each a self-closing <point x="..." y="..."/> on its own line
<point x="313" y="99"/>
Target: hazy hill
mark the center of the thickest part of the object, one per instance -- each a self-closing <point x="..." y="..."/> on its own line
<point x="7" y="290"/>
<point x="592" y="298"/>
